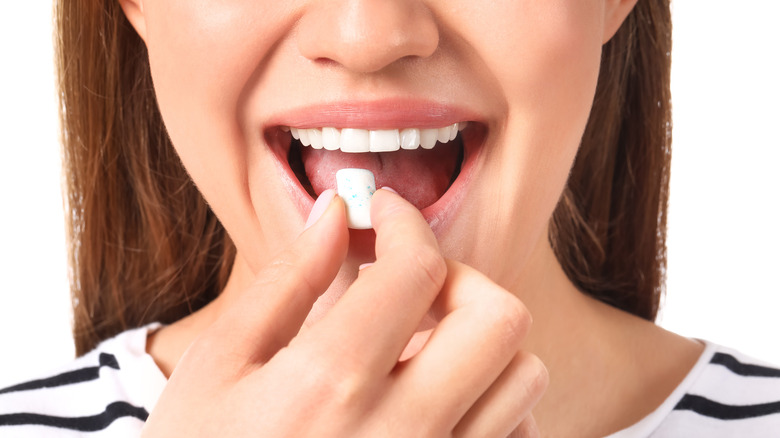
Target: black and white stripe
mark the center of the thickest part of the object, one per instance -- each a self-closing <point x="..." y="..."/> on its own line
<point x="743" y="369"/>
<point x="108" y="392"/>
<point x="726" y="395"/>
<point x="88" y="423"/>
<point x="737" y="409"/>
<point x="709" y="408"/>
<point x="111" y="391"/>
<point x="68" y="377"/>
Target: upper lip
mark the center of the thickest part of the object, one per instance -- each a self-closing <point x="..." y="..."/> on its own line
<point x="377" y="114"/>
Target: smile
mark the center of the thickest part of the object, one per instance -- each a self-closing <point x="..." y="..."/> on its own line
<point x="415" y="148"/>
<point x="354" y="140"/>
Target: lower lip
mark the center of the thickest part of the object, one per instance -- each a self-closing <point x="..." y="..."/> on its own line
<point x="436" y="214"/>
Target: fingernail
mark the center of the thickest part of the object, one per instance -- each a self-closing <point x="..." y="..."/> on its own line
<point x="389" y="189"/>
<point x="364" y="266"/>
<point x="322" y="203"/>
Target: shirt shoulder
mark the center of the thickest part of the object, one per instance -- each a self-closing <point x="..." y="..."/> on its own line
<point x="107" y="392"/>
<point x="726" y="394"/>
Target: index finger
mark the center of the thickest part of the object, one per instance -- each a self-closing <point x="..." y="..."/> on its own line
<point x="398" y="224"/>
<point x="384" y="306"/>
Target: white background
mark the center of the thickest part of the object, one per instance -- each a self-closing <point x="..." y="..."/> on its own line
<point x="724" y="238"/>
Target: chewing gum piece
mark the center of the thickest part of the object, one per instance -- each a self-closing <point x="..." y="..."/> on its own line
<point x="355" y="187"/>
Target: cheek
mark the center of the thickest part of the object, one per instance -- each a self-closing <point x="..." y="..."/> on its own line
<point x="547" y="73"/>
<point x="202" y="55"/>
<point x="545" y="57"/>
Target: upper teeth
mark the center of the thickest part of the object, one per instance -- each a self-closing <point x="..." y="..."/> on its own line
<point x="378" y="140"/>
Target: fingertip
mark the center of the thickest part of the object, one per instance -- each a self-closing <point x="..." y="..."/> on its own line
<point x="327" y="209"/>
<point x="320" y="206"/>
<point x="387" y="202"/>
<point x="398" y="223"/>
<point x="326" y="229"/>
<point x="382" y="195"/>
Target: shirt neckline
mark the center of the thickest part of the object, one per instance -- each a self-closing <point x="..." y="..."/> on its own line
<point x="652" y="421"/>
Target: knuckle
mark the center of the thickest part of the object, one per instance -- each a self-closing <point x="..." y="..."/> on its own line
<point x="512" y="318"/>
<point x="538" y="376"/>
<point x="272" y="273"/>
<point x="287" y="271"/>
<point x="527" y="428"/>
<point x="336" y="379"/>
<point x="207" y="356"/>
<point x="347" y="391"/>
<point x="392" y="209"/>
<point x="291" y="259"/>
<point x="204" y="347"/>
<point x="430" y="264"/>
<point x="283" y="264"/>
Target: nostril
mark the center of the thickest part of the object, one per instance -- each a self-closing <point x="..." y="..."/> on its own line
<point x="365" y="36"/>
<point x="325" y="62"/>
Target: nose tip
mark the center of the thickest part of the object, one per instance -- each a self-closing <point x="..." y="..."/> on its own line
<point x="367" y="35"/>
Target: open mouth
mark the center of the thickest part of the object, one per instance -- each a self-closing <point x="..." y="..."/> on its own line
<point x="421" y="164"/>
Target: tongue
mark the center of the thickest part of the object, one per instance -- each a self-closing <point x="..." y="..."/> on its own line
<point x="421" y="176"/>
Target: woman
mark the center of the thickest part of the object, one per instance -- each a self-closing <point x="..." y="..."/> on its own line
<point x="550" y="203"/>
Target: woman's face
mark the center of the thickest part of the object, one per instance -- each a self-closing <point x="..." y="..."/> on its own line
<point x="232" y="75"/>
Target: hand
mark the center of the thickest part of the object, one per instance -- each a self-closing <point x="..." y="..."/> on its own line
<point x="255" y="373"/>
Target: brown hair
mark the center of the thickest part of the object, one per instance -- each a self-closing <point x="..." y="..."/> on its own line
<point x="144" y="245"/>
<point x="609" y="229"/>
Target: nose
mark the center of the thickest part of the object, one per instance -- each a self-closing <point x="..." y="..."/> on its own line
<point x="366" y="36"/>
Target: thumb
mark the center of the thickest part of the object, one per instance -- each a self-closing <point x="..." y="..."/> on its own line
<point x="271" y="311"/>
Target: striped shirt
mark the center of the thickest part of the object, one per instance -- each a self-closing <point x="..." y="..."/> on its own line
<point x="111" y="390"/>
<point x="108" y="392"/>
<point x="726" y="394"/>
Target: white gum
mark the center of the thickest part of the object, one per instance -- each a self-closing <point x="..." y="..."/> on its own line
<point x="378" y="140"/>
<point x="356" y="187"/>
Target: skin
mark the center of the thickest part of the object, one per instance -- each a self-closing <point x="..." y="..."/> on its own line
<point x="223" y="68"/>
